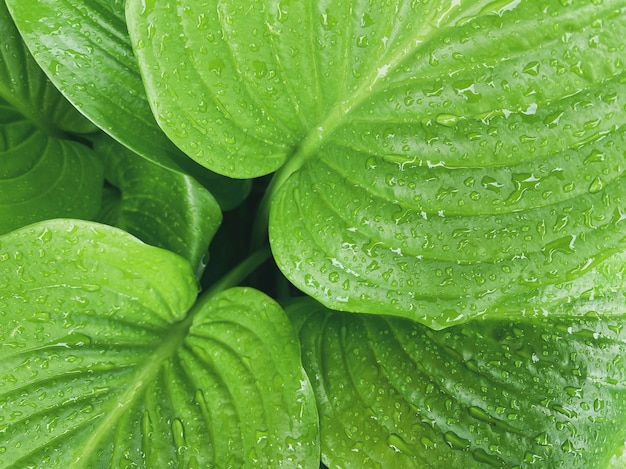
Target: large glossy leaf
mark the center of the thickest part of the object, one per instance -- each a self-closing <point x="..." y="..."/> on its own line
<point x="524" y="393"/>
<point x="436" y="158"/>
<point x="24" y="85"/>
<point x="84" y="48"/>
<point x="161" y="206"/>
<point x="42" y="176"/>
<point x="103" y="364"/>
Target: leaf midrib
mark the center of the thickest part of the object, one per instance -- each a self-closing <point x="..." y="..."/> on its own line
<point x="140" y="381"/>
<point x="369" y="87"/>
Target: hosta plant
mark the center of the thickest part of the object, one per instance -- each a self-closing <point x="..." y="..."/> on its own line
<point x="281" y="233"/>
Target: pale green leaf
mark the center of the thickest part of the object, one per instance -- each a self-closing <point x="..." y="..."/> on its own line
<point x="514" y="394"/>
<point x="104" y="364"/>
<point x="161" y="206"/>
<point x="437" y="159"/>
<point x="42" y="176"/>
<point x="441" y="204"/>
<point x="24" y="85"/>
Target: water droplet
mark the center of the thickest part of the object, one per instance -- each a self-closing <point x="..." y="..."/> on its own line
<point x="482" y="456"/>
<point x="41" y="316"/>
<point x="447" y="120"/>
<point x="574" y="392"/>
<point x="491" y="184"/>
<point x="427" y="442"/>
<point x="531" y="68"/>
<point x="563" y="245"/>
<point x="552" y="119"/>
<point x="362" y="41"/>
<point x="45" y="235"/>
<point x="398" y="444"/>
<point x="71" y="340"/>
<point x="178" y="433"/>
<point x="455" y="441"/>
<point x="481" y="415"/>
<point x="542" y="439"/>
<point x="596" y="156"/>
<point x="596" y="185"/>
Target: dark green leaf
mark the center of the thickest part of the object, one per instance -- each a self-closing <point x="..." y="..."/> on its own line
<point x="515" y="394"/>
<point x="42" y="176"/>
<point x="103" y="364"/>
<point x="85" y="51"/>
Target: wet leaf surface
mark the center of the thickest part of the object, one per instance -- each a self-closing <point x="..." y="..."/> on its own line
<point x="496" y="393"/>
<point x="106" y="362"/>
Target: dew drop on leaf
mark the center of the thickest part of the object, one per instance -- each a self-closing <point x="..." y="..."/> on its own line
<point x="398" y="444"/>
<point x="455" y="441"/>
<point x="596" y="185"/>
<point x="482" y="456"/>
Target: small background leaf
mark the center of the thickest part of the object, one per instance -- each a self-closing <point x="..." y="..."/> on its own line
<point x="84" y="50"/>
<point x="42" y="176"/>
<point x="98" y="370"/>
<point x="160" y="206"/>
<point x="394" y="393"/>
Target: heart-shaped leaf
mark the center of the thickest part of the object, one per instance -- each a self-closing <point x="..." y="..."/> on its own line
<point x="103" y="364"/>
<point x="160" y="206"/>
<point x="436" y="158"/>
<point x="42" y="176"/>
<point x="524" y="393"/>
<point x="24" y="85"/>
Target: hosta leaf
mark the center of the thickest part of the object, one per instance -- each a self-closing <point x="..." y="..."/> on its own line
<point x="524" y="393"/>
<point x="160" y="206"/>
<point x="104" y="365"/>
<point x="24" y="85"/>
<point x="85" y="49"/>
<point x="436" y="158"/>
<point x="42" y="176"/>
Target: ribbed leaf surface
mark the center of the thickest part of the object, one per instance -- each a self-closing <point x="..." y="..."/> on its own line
<point x="435" y="158"/>
<point x="103" y="364"/>
<point x="42" y="176"/>
<point x="515" y="394"/>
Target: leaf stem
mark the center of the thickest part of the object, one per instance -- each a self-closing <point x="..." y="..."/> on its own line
<point x="293" y="164"/>
<point x="234" y="277"/>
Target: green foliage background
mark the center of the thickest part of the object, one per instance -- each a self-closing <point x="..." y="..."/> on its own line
<point x="287" y="233"/>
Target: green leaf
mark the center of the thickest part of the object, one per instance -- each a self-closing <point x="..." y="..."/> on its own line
<point x="42" y="176"/>
<point x="24" y="85"/>
<point x="103" y="364"/>
<point x="160" y="206"/>
<point x="436" y="159"/>
<point x="87" y="53"/>
<point x="394" y="393"/>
